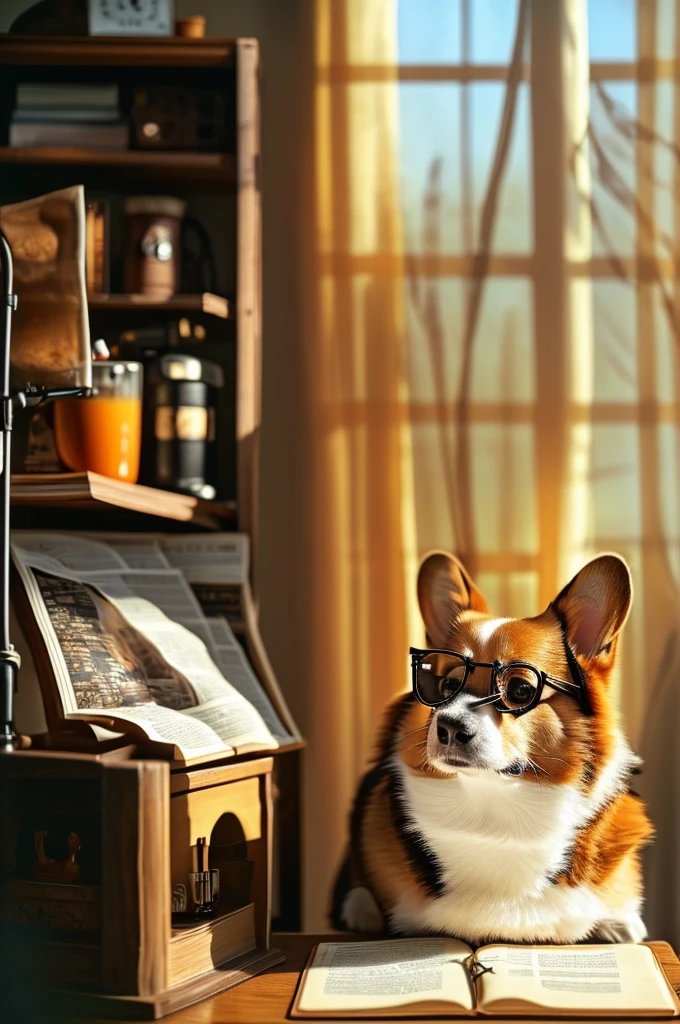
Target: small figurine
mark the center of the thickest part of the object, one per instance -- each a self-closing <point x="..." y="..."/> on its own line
<point x="48" y="870"/>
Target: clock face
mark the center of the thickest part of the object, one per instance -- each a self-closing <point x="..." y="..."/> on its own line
<point x="130" y="17"/>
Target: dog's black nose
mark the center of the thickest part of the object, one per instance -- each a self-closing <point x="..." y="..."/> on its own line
<point x="453" y="730"/>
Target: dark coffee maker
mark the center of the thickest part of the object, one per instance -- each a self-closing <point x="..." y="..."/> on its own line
<point x="179" y="422"/>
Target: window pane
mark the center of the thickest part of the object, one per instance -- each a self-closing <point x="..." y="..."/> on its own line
<point x="615" y="482"/>
<point x="430" y="163"/>
<point x="503" y="347"/>
<point x="502" y="351"/>
<point x="436" y="166"/>
<point x="434" y="468"/>
<point x="429" y="32"/>
<point x="613" y="107"/>
<point x="503" y="487"/>
<point x="513" y="232"/>
<point x="666" y="342"/>
<point x="493" y="28"/>
<point x="665" y="168"/>
<point x="435" y="310"/>
<point x="615" y="342"/>
<point x="665" y="29"/>
<point x="612" y="30"/>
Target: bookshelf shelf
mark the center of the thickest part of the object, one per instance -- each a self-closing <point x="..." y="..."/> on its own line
<point x="215" y="305"/>
<point x="196" y="166"/>
<point x="99" y="493"/>
<point x="128" y="51"/>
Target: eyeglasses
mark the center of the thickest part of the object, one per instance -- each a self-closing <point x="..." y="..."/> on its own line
<point x="515" y="687"/>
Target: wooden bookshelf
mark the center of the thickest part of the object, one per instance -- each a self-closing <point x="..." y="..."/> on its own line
<point x="222" y="190"/>
<point x="215" y="305"/>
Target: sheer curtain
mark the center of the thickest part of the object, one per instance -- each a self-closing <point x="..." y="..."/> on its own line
<point x="360" y="478"/>
<point x="491" y="352"/>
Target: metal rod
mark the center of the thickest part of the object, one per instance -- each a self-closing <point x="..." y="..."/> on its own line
<point x="6" y="427"/>
<point x="9" y="660"/>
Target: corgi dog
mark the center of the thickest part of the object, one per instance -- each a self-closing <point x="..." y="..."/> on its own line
<point x="498" y="807"/>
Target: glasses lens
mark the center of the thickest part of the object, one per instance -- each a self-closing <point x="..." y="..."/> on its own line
<point x="518" y="686"/>
<point x="439" y="677"/>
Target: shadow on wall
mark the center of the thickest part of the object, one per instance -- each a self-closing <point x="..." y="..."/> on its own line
<point x="659" y="784"/>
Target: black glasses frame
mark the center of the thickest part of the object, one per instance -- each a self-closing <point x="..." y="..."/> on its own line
<point x="572" y="688"/>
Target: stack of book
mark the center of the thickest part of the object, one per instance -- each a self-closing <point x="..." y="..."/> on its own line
<point x="56" y="114"/>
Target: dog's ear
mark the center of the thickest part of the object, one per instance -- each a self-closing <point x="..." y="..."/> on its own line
<point x="595" y="605"/>
<point x="444" y="590"/>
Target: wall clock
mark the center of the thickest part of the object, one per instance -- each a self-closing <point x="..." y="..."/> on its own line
<point x="130" y="17"/>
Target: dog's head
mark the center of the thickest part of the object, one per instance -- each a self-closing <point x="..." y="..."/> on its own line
<point x="568" y="733"/>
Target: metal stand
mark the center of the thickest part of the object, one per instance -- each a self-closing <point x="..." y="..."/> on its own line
<point x="9" y="404"/>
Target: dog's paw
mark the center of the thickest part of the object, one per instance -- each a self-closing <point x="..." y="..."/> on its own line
<point x="624" y="929"/>
<point x="361" y="913"/>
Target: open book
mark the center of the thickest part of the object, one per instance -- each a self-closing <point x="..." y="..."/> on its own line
<point x="443" y="977"/>
<point x="120" y="641"/>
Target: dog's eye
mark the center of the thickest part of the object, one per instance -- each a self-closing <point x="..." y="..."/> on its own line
<point x="450" y="683"/>
<point x="519" y="691"/>
<point x="439" y="677"/>
<point x="517" y="686"/>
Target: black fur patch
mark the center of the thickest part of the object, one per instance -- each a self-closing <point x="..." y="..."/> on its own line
<point x="423" y="860"/>
<point x="588" y="771"/>
<point x="370" y="780"/>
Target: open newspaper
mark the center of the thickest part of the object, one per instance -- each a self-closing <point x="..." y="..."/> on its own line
<point x="129" y="646"/>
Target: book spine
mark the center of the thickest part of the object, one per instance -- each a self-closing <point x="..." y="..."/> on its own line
<point x="97" y="136"/>
<point x="101" y="248"/>
<point x="90" y="214"/>
<point x="65" y="115"/>
<point x="96" y="252"/>
<point x="62" y="95"/>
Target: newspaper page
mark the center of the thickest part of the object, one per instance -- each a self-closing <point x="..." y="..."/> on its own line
<point x="127" y="640"/>
<point x="213" y="560"/>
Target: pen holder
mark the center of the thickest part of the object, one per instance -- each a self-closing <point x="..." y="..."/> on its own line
<point x="205" y="890"/>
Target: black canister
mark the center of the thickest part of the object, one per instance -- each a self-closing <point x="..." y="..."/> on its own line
<point x="180" y="422"/>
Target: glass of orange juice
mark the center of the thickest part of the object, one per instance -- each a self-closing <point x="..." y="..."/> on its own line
<point x="103" y="433"/>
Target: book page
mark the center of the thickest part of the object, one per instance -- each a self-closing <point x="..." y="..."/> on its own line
<point x="605" y="980"/>
<point x="193" y="738"/>
<point x="364" y="977"/>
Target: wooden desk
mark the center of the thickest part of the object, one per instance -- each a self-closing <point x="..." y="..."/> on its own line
<point x="266" y="999"/>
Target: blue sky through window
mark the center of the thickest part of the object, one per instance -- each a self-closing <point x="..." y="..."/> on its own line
<point x="430" y="31"/>
<point x="430" y="118"/>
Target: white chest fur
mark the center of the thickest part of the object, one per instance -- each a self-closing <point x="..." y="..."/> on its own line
<point x="498" y="841"/>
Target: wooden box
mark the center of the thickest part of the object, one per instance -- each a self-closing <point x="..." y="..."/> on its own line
<point x="91" y="848"/>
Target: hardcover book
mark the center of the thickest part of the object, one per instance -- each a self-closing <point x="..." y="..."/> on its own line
<point x="444" y="977"/>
